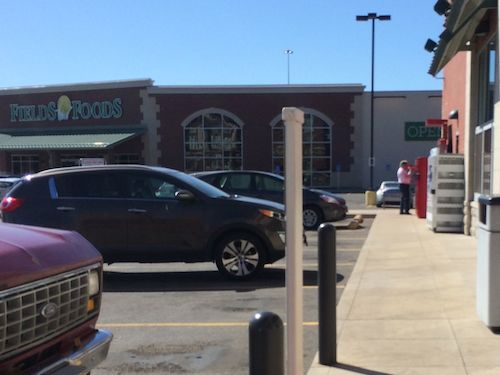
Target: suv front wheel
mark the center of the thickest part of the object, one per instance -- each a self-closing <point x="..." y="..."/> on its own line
<point x="240" y="256"/>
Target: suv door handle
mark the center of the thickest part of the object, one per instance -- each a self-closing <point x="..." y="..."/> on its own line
<point x="62" y="208"/>
<point x="137" y="210"/>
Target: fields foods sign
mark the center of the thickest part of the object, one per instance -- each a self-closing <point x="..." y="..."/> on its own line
<point x="66" y="109"/>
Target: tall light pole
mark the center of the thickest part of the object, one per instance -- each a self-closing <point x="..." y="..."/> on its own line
<point x="372" y="17"/>
<point x="288" y="53"/>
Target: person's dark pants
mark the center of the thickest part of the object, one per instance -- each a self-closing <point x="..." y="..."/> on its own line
<point x="404" y="206"/>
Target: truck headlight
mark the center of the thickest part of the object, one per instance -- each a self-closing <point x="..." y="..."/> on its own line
<point x="94" y="281"/>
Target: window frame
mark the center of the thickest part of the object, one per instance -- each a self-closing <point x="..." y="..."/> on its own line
<point x="311" y="176"/>
<point x="28" y="163"/>
<point x="487" y="75"/>
<point x="216" y="154"/>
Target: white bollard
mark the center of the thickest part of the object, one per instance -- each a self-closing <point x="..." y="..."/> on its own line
<point x="294" y="120"/>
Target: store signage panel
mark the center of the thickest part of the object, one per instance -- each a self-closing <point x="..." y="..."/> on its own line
<point x="66" y="109"/>
<point x="417" y="131"/>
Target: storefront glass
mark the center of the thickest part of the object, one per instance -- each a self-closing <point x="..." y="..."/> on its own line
<point x="24" y="164"/>
<point x="316" y="150"/>
<point x="213" y="141"/>
<point x="486" y="99"/>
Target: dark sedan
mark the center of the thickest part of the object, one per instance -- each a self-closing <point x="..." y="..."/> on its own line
<point x="134" y="213"/>
<point x="319" y="205"/>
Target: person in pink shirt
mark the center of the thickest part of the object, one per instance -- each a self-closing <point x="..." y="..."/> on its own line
<point x="404" y="178"/>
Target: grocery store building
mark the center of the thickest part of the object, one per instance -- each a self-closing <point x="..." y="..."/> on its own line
<point x="193" y="128"/>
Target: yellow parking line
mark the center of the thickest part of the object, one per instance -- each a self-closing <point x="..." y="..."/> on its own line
<point x="316" y="287"/>
<point x="184" y="325"/>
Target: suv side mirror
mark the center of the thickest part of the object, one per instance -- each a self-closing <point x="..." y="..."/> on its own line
<point x="184" y="195"/>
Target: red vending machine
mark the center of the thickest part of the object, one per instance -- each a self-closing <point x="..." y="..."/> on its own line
<point x="421" y="187"/>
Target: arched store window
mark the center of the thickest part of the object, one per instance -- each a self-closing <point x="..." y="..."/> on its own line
<point x="212" y="141"/>
<point x="316" y="148"/>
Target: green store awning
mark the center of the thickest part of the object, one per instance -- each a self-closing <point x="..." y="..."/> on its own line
<point x="63" y="141"/>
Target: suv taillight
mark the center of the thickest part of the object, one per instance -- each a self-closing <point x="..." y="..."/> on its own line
<point x="10" y="204"/>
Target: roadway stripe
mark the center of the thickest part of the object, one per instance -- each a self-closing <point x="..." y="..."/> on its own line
<point x="316" y="287"/>
<point x="314" y="265"/>
<point x="185" y="325"/>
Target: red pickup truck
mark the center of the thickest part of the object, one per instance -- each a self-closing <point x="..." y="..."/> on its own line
<point x="50" y="298"/>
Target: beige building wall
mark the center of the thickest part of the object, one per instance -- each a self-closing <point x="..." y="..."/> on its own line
<point x="392" y="109"/>
<point x="151" y="138"/>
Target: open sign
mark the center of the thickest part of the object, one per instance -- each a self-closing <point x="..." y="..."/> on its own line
<point x="417" y="131"/>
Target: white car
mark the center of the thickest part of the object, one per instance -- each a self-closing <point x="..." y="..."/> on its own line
<point x="6" y="183"/>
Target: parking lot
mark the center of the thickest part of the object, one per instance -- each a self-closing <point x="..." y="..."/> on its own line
<point x="185" y="318"/>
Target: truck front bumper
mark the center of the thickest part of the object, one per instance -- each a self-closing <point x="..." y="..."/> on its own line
<point x="84" y="359"/>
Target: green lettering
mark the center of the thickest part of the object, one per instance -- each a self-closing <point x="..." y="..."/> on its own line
<point x="14" y="112"/>
<point x="51" y="111"/>
<point x="96" y="110"/>
<point x="42" y="113"/>
<point x="106" y="109"/>
<point x="86" y="111"/>
<point x="117" y="108"/>
<point x="77" y="109"/>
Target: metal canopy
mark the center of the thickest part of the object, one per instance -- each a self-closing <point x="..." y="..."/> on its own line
<point x="63" y="141"/>
<point x="461" y="23"/>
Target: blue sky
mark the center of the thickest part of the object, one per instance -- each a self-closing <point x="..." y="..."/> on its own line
<point x="216" y="42"/>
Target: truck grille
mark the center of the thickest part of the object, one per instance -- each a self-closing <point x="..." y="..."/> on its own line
<point x="36" y="312"/>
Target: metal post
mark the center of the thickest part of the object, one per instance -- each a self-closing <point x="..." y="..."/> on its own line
<point x="266" y="344"/>
<point x="372" y="160"/>
<point x="327" y="296"/>
<point x="294" y="119"/>
<point x="288" y="53"/>
<point x="372" y="17"/>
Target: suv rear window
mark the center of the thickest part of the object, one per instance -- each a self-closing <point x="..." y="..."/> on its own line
<point x="90" y="185"/>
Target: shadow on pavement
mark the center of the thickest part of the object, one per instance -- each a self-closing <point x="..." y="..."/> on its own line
<point x="197" y="281"/>
<point x="359" y="370"/>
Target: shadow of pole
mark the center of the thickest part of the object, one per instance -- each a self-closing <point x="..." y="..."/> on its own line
<point x="359" y="370"/>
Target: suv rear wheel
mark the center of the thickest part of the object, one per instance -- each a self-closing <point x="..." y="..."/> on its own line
<point x="240" y="256"/>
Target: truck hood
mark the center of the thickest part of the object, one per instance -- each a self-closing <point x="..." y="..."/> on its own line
<point x="30" y="253"/>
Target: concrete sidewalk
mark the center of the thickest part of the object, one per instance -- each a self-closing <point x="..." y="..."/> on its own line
<point x="409" y="305"/>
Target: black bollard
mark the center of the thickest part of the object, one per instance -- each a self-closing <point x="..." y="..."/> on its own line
<point x="327" y="296"/>
<point x="266" y="344"/>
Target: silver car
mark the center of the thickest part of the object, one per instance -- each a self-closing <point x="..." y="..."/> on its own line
<point x="388" y="193"/>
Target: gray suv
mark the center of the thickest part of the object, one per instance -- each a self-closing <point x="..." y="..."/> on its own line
<point x="136" y="213"/>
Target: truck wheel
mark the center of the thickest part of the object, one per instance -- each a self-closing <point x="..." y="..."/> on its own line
<point x="312" y="217"/>
<point x="240" y="256"/>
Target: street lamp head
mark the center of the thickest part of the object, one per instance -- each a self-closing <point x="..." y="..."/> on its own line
<point x="374" y="16"/>
<point x="430" y="45"/>
<point x="288" y="51"/>
<point x="442" y="7"/>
